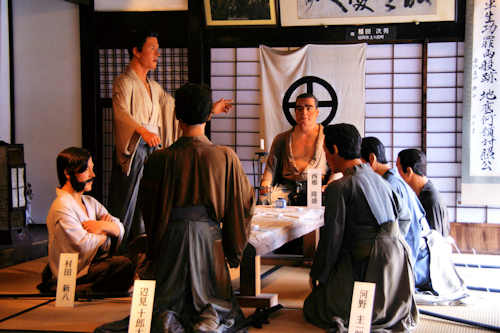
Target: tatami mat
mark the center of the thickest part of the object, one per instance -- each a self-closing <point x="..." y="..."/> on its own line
<point x="291" y="283"/>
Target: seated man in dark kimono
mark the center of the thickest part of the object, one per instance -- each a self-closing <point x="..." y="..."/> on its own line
<point x="360" y="241"/>
<point x="79" y="223"/>
<point x="433" y="267"/>
<point x="412" y="166"/>
<point x="197" y="205"/>
<point x="373" y="153"/>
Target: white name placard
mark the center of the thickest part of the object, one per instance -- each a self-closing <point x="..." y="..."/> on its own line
<point x="361" y="307"/>
<point x="314" y="188"/>
<point x="66" y="279"/>
<point x="142" y="306"/>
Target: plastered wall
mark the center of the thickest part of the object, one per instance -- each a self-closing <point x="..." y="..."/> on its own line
<point x="47" y="90"/>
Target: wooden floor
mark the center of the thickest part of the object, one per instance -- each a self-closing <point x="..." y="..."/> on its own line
<point x="291" y="283"/>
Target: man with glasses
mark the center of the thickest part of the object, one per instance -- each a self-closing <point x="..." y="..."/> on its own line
<point x="295" y="151"/>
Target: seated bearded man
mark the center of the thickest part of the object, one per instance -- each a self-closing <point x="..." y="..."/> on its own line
<point x="79" y="223"/>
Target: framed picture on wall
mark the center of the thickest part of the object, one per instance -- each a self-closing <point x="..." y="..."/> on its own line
<point x="346" y="12"/>
<point x="238" y="12"/>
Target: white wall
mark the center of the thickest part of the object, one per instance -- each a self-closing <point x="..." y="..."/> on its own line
<point x="4" y="73"/>
<point x="47" y="90"/>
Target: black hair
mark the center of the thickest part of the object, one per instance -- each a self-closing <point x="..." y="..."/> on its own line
<point x="371" y="144"/>
<point x="73" y="160"/>
<point x="347" y="139"/>
<point x="137" y="39"/>
<point x="415" y="159"/>
<point x="308" y="95"/>
<point x="193" y="103"/>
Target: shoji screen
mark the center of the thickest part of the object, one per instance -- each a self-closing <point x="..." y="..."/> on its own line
<point x="235" y="74"/>
<point x="394" y="113"/>
<point x="445" y="68"/>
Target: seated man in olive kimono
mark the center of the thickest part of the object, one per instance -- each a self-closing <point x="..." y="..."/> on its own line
<point x="432" y="263"/>
<point x="79" y="223"/>
<point x="197" y="205"/>
<point x="360" y="241"/>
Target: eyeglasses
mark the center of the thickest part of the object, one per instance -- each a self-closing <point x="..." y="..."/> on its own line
<point x="304" y="108"/>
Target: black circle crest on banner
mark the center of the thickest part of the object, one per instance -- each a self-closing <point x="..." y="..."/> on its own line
<point x="308" y="81"/>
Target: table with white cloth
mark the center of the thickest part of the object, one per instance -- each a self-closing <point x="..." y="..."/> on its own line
<point x="271" y="228"/>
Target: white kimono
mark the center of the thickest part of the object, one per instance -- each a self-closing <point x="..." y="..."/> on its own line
<point x="133" y="107"/>
<point x="67" y="235"/>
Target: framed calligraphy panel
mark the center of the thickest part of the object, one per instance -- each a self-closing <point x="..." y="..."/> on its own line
<point x="358" y="12"/>
<point x="481" y="135"/>
<point x="229" y="12"/>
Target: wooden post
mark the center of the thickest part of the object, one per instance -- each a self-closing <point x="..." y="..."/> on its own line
<point x="250" y="272"/>
<point x="310" y="243"/>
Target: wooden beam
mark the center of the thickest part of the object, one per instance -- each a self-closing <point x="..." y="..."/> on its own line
<point x="11" y="74"/>
<point x="114" y="28"/>
<point x="259" y="301"/>
<point x="91" y="118"/>
<point x="423" y="102"/>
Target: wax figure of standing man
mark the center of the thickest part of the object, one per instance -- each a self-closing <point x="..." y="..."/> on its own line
<point x="295" y="151"/>
<point x="433" y="267"/>
<point x="360" y="241"/>
<point x="143" y="119"/>
<point x="412" y="167"/>
<point x="78" y="223"/>
<point x="197" y="204"/>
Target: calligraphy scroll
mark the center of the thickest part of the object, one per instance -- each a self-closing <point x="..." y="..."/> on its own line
<point x="480" y="148"/>
<point x="344" y="12"/>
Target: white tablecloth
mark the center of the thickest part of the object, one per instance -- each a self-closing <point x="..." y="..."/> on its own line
<point x="273" y="227"/>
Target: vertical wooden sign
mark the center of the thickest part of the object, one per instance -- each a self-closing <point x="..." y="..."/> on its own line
<point x="361" y="307"/>
<point x="142" y="306"/>
<point x="314" y="188"/>
<point x="66" y="279"/>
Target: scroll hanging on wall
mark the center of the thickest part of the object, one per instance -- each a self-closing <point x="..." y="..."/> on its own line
<point x="481" y="124"/>
<point x="345" y="12"/>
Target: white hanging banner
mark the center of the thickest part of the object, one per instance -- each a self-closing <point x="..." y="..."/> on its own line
<point x="335" y="74"/>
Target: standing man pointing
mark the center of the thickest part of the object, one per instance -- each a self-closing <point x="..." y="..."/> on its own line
<point x="143" y="119"/>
